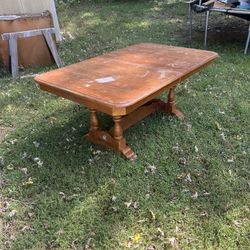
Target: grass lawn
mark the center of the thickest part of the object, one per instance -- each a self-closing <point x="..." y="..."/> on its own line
<point x="189" y="187"/>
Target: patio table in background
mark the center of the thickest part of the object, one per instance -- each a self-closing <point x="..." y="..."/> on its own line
<point x="217" y="6"/>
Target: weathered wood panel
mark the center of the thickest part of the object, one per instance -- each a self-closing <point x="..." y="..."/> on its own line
<point x="13" y="51"/>
<point x="31" y="6"/>
<point x="32" y="51"/>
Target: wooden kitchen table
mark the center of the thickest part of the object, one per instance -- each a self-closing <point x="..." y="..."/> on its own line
<point x="124" y="84"/>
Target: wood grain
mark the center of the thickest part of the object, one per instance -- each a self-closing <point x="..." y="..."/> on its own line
<point x="116" y="82"/>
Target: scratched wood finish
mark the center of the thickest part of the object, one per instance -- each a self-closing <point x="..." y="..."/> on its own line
<point x="116" y="82"/>
<point x="124" y="84"/>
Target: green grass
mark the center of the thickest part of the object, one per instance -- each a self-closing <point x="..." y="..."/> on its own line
<point x="67" y="202"/>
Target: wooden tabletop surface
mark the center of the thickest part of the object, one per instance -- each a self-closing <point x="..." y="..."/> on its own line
<point x="118" y="82"/>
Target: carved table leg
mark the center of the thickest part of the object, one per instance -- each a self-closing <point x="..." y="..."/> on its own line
<point x="94" y="123"/>
<point x="171" y="106"/>
<point x="113" y="139"/>
<point x="120" y="140"/>
<point x="118" y="131"/>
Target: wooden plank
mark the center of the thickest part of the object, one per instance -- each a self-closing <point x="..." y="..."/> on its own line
<point x="52" y="47"/>
<point x="13" y="56"/>
<point x="12" y="38"/>
<point x="55" y="21"/>
<point x="25" y="34"/>
<point x="9" y="17"/>
<point x="139" y="114"/>
<point x="9" y="7"/>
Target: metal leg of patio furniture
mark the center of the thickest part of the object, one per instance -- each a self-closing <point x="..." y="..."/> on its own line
<point x="206" y="29"/>
<point x="190" y="14"/>
<point x="248" y="40"/>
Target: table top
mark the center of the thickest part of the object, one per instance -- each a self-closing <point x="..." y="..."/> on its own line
<point x="118" y="82"/>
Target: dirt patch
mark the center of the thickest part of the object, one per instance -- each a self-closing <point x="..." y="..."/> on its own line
<point x="229" y="30"/>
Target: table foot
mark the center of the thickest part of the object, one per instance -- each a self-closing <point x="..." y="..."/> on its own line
<point x="113" y="140"/>
<point x="178" y="114"/>
<point x="128" y="153"/>
<point x="105" y="139"/>
<point x="171" y="106"/>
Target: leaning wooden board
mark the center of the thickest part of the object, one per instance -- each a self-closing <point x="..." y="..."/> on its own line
<point x="124" y="84"/>
<point x="32" y="51"/>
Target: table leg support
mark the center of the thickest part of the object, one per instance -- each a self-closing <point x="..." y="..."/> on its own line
<point x="171" y="106"/>
<point x="94" y="123"/>
<point x="114" y="140"/>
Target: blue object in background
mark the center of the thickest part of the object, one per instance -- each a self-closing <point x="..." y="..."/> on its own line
<point x="244" y="5"/>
